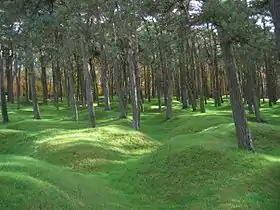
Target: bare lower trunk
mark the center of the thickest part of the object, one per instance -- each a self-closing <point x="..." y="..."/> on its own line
<point x="33" y="89"/>
<point x="254" y="101"/>
<point x="26" y="84"/>
<point x="72" y="98"/>
<point x="44" y="80"/>
<point x="119" y="89"/>
<point x="133" y="87"/>
<point x="158" y="82"/>
<point x="10" y="79"/>
<point x="243" y="132"/>
<point x="169" y="94"/>
<point x="104" y="80"/>
<point x="5" y="117"/>
<point x="17" y="72"/>
<point x="55" y="70"/>
<point x="201" y="89"/>
<point x="88" y="86"/>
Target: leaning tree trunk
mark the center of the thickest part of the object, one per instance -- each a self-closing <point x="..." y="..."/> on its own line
<point x="5" y="117"/>
<point x="33" y="88"/>
<point x="243" y="132"/>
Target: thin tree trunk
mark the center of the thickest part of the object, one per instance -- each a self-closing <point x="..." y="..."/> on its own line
<point x="104" y="80"/>
<point x="149" y="84"/>
<point x="26" y="85"/>
<point x="10" y="79"/>
<point x="89" y="96"/>
<point x="133" y="87"/>
<point x="72" y="98"/>
<point x="33" y="88"/>
<point x="169" y="82"/>
<point x="5" y="117"/>
<point x="18" y="75"/>
<point x="119" y="89"/>
<point x="44" y="80"/>
<point x="55" y="69"/>
<point x="253" y="96"/>
<point x="201" y="88"/>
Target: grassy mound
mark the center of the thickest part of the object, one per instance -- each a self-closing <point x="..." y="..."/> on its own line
<point x="188" y="162"/>
<point x="27" y="183"/>
<point x="194" y="176"/>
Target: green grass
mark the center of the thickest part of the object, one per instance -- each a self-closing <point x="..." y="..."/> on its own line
<point x="188" y="162"/>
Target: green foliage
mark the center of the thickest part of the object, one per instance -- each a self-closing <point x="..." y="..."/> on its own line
<point x="187" y="162"/>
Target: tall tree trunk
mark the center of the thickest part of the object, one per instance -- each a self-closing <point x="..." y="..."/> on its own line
<point x="89" y="96"/>
<point x="169" y="82"/>
<point x="153" y="82"/>
<point x="149" y="84"/>
<point x="119" y="88"/>
<point x="18" y="75"/>
<point x="44" y="79"/>
<point x="254" y="101"/>
<point x="5" y="117"/>
<point x="183" y="78"/>
<point x="158" y="85"/>
<point x="133" y="86"/>
<point x="94" y="79"/>
<point x="71" y="90"/>
<point x="274" y="6"/>
<point x="55" y="70"/>
<point x="10" y="78"/>
<point x="104" y="79"/>
<point x="243" y="132"/>
<point x="217" y="84"/>
<point x="33" y="88"/>
<point x="270" y="82"/>
<point x="201" y="87"/>
<point x="26" y="85"/>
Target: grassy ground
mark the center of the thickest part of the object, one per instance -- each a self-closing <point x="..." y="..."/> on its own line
<point x="189" y="162"/>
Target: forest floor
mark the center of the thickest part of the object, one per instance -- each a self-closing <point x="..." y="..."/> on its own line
<point x="189" y="162"/>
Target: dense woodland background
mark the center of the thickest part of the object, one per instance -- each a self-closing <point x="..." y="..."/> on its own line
<point x="89" y="53"/>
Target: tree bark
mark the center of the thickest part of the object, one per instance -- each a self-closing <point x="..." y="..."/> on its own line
<point x="243" y="133"/>
<point x="119" y="88"/>
<point x="33" y="87"/>
<point x="44" y="79"/>
<point x="104" y="79"/>
<point x="10" y="78"/>
<point x="133" y="86"/>
<point x="72" y="97"/>
<point x="89" y="96"/>
<point x="5" y="117"/>
<point x="169" y="82"/>
<point x="18" y="75"/>
<point x="26" y="84"/>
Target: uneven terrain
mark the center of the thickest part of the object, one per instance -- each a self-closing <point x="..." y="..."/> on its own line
<point x="188" y="162"/>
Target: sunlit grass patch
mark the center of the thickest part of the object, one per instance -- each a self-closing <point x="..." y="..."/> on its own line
<point x="188" y="162"/>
